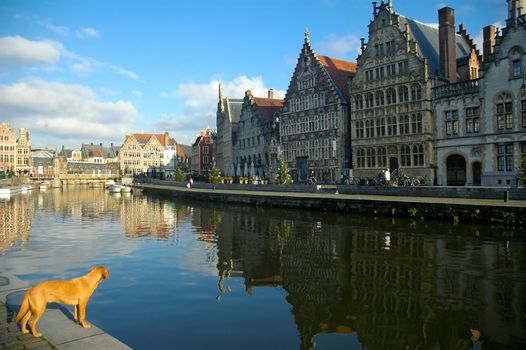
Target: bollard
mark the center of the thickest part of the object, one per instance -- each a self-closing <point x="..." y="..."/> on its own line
<point x="506" y="196"/>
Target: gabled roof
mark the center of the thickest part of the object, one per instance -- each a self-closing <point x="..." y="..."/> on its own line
<point x="427" y="38"/>
<point x="340" y="71"/>
<point x="144" y="138"/>
<point x="266" y="108"/>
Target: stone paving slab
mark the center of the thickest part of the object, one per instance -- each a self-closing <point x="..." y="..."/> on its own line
<point x="57" y="325"/>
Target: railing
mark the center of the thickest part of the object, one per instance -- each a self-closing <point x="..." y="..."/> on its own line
<point x="456" y="89"/>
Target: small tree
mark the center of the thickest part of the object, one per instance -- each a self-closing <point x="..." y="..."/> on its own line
<point x="179" y="175"/>
<point x="215" y="176"/>
<point x="284" y="176"/>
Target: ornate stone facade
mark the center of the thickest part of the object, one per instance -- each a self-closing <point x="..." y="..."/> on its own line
<point x="255" y="142"/>
<point x="481" y="123"/>
<point x="314" y="123"/>
<point x="227" y="122"/>
<point x="392" y="115"/>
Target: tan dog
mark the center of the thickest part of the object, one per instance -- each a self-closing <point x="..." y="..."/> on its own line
<point x="76" y="292"/>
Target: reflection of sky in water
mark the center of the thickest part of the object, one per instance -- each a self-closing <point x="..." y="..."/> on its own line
<point x="289" y="279"/>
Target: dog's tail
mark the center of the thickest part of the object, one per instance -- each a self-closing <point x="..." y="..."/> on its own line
<point x="24" y="308"/>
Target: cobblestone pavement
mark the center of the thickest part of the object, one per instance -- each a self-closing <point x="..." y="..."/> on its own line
<point x="12" y="338"/>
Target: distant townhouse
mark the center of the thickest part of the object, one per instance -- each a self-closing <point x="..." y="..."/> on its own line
<point x="227" y="122"/>
<point x="23" y="153"/>
<point x="256" y="141"/>
<point x="481" y="123"/>
<point x="314" y="123"/>
<point x="142" y="153"/>
<point x="43" y="162"/>
<point x="203" y="152"/>
<point x="8" y="153"/>
<point x="392" y="114"/>
<point x="97" y="153"/>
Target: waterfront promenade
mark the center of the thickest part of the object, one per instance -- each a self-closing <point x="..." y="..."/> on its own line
<point x="57" y="325"/>
<point x="453" y="209"/>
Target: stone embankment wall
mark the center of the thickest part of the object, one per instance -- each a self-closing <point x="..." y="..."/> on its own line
<point x="333" y="198"/>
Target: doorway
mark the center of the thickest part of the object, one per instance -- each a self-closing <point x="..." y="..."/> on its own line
<point x="477" y="173"/>
<point x="456" y="170"/>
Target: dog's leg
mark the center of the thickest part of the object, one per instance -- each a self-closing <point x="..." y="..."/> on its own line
<point x="82" y="315"/>
<point x="37" y="311"/>
<point x="76" y="312"/>
<point x="23" y="323"/>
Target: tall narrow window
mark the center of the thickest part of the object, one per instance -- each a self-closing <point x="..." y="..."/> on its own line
<point x="418" y="155"/>
<point x="416" y="92"/>
<point x="523" y="112"/>
<point x="504" y="112"/>
<point x="404" y="124"/>
<point x="472" y="120"/>
<point x="505" y="157"/>
<point x="416" y="123"/>
<point x="382" y="157"/>
<point x="358" y="102"/>
<point x="379" y="98"/>
<point x="369" y="128"/>
<point x="391" y="96"/>
<point x="405" y="154"/>
<point x="371" y="158"/>
<point x="360" y="157"/>
<point x="380" y="127"/>
<point x="403" y="94"/>
<point x="451" y="118"/>
<point x="391" y="126"/>
<point x="516" y="69"/>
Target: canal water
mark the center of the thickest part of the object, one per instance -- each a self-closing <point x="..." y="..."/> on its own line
<point x="194" y="275"/>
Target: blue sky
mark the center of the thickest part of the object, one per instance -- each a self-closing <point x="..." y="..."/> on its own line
<point x="82" y="71"/>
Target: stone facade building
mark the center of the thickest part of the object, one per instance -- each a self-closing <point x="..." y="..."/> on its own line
<point x="314" y="123"/>
<point x="392" y="114"/>
<point x="481" y="123"/>
<point x="227" y="122"/>
<point x="8" y="153"/>
<point x="142" y="153"/>
<point x="23" y="152"/>
<point x="255" y="142"/>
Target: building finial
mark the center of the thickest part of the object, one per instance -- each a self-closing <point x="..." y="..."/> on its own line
<point x="220" y="91"/>
<point x="307" y="34"/>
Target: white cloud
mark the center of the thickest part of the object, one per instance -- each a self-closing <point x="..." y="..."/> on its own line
<point x="340" y="46"/>
<point x="87" y="33"/>
<point x="55" y="112"/>
<point x="137" y="93"/>
<point x="16" y="51"/>
<point x="199" y="103"/>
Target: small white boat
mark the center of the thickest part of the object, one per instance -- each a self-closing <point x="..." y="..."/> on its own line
<point x="24" y="189"/>
<point x="108" y="184"/>
<point x="115" y="188"/>
<point x="126" y="189"/>
<point x="5" y="191"/>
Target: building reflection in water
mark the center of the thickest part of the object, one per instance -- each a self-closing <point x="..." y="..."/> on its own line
<point x="16" y="215"/>
<point x="392" y="285"/>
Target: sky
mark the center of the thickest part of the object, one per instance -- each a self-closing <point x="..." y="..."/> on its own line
<point x="74" y="72"/>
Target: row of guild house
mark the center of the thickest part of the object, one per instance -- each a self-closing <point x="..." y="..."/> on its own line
<point x="419" y="100"/>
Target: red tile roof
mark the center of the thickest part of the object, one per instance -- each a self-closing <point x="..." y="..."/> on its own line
<point x="267" y="107"/>
<point x="96" y="153"/>
<point x="341" y="73"/>
<point x="144" y="138"/>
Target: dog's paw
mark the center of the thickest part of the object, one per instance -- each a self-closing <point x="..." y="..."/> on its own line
<point x="25" y="331"/>
<point x="86" y="325"/>
<point x="37" y="334"/>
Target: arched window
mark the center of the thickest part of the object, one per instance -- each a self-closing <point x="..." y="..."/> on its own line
<point x="369" y="128"/>
<point x="379" y="98"/>
<point x="360" y="129"/>
<point x="358" y="102"/>
<point x="371" y="158"/>
<point x="382" y="157"/>
<point x="416" y="92"/>
<point x="418" y="155"/>
<point x="360" y="158"/>
<point x="403" y="94"/>
<point x="315" y="101"/>
<point x="504" y="109"/>
<point x="391" y="126"/>
<point x="369" y="100"/>
<point x="380" y="127"/>
<point x="405" y="153"/>
<point x="416" y="123"/>
<point x="391" y="96"/>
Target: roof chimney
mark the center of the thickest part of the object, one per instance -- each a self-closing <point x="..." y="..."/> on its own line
<point x="447" y="44"/>
<point x="488" y="42"/>
<point x="271" y="93"/>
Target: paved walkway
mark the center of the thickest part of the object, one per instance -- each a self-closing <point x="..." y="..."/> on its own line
<point x="57" y="325"/>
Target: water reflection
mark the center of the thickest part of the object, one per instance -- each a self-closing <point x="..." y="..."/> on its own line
<point x="395" y="288"/>
<point x="388" y="284"/>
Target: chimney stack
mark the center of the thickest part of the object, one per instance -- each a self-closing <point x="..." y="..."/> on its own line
<point x="271" y="93"/>
<point x="488" y="42"/>
<point x="447" y="44"/>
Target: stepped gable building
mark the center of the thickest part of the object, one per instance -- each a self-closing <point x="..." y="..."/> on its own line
<point x="202" y="159"/>
<point x="8" y="155"/>
<point x="141" y="153"/>
<point x="481" y="123"/>
<point x="314" y="124"/>
<point x="392" y="115"/>
<point x="256" y="141"/>
<point x="227" y="122"/>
